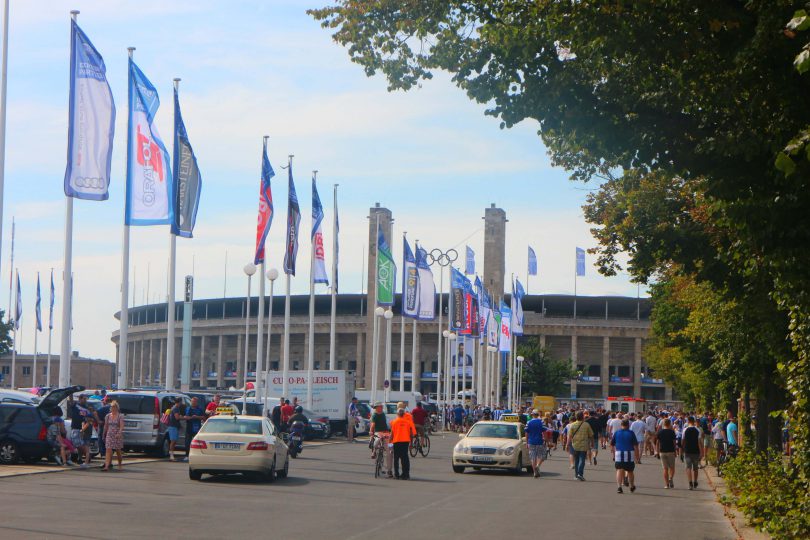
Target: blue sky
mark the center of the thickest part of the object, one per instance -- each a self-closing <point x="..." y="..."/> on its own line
<point x="264" y="68"/>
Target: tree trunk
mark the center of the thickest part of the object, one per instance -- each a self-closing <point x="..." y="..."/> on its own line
<point x="776" y="401"/>
<point x="763" y="409"/>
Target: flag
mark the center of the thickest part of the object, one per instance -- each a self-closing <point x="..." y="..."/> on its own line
<point x="186" y="176"/>
<point x="532" y="262"/>
<point x="505" y="341"/>
<point x="483" y="308"/>
<point x="517" y="308"/>
<point x="580" y="262"/>
<point x="149" y="178"/>
<point x="493" y="328"/>
<point x="39" y="307"/>
<point x="18" y="307"/>
<point x="427" y="288"/>
<point x="469" y="262"/>
<point x="53" y="296"/>
<point x="410" y="282"/>
<point x="386" y="271"/>
<point x="293" y="221"/>
<point x="91" y="122"/>
<point x="265" y="208"/>
<point x="457" y="300"/>
<point x="319" y="274"/>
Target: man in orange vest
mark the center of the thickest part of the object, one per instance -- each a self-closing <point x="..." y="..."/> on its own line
<point x="402" y="431"/>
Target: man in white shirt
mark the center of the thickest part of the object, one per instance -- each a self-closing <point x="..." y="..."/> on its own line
<point x="651" y="422"/>
<point x="639" y="427"/>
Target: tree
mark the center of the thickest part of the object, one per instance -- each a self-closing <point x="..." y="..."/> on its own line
<point x="5" y="335"/>
<point x="543" y="375"/>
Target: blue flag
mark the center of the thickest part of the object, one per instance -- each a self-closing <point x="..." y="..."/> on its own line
<point x="53" y="296"/>
<point x="18" y="307"/>
<point x="457" y="299"/>
<point x="469" y="262"/>
<point x="517" y="308"/>
<point x="265" y="208"/>
<point x="532" y="262"/>
<point x="39" y="306"/>
<point x="318" y="251"/>
<point x="580" y="262"/>
<point x="91" y="122"/>
<point x="149" y="175"/>
<point x="293" y="222"/>
<point x="427" y="288"/>
<point x="187" y="179"/>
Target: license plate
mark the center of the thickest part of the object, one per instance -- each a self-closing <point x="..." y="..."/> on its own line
<point x="227" y="446"/>
<point x="482" y="459"/>
<point x="129" y="423"/>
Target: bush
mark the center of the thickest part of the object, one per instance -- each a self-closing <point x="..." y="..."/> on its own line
<point x="767" y="489"/>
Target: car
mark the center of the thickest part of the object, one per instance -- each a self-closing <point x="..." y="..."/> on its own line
<point x="492" y="445"/>
<point x="318" y="427"/>
<point x="228" y="444"/>
<point x="17" y="396"/>
<point x="142" y="410"/>
<point x="23" y="427"/>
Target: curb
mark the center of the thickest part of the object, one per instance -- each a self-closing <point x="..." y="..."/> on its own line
<point x="32" y="470"/>
<point x="736" y="519"/>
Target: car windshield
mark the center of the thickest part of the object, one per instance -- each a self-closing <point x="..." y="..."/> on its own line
<point x="494" y="431"/>
<point x="235" y="426"/>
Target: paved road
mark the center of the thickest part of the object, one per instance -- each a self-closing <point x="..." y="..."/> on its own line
<point x="331" y="493"/>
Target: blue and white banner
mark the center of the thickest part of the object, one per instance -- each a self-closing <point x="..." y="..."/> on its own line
<point x="265" y="208"/>
<point x="293" y="223"/>
<point x="187" y="178"/>
<point x="580" y="262"/>
<point x="517" y="308"/>
<point x="318" y="252"/>
<point x="493" y="328"/>
<point x="53" y="296"/>
<point x="18" y="306"/>
<point x="469" y="262"/>
<point x="427" y="288"/>
<point x="532" y="262"/>
<point x="483" y="309"/>
<point x="38" y="307"/>
<point x="91" y="122"/>
<point x="505" y="341"/>
<point x="149" y="176"/>
<point x="410" y="282"/>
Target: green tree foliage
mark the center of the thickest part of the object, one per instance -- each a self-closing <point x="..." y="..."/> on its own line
<point x="543" y="375"/>
<point x="5" y="334"/>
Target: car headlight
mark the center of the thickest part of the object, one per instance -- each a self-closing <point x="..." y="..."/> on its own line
<point x="462" y="449"/>
<point x="509" y="451"/>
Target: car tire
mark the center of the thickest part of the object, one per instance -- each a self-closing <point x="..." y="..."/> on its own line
<point x="9" y="453"/>
<point x="162" y="450"/>
<point x="283" y="473"/>
<point x="458" y="469"/>
<point x="194" y="475"/>
<point x="270" y="475"/>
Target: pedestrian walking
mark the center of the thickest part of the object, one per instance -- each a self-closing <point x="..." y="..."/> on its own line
<point x="102" y="413"/>
<point x="352" y="413"/>
<point x="665" y="451"/>
<point x="113" y="436"/>
<point x="580" y="436"/>
<point x="692" y="443"/>
<point x="624" y="446"/>
<point x="175" y="423"/>
<point x="639" y="428"/>
<point x="402" y="431"/>
<point x="535" y="430"/>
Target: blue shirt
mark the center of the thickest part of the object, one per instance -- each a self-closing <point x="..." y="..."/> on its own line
<point x="194" y="425"/>
<point x="731" y="433"/>
<point x="458" y="412"/>
<point x="624" y="440"/>
<point x="534" y="431"/>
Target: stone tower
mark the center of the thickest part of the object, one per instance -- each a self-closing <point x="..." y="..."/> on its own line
<point x="494" y="250"/>
<point x="364" y="368"/>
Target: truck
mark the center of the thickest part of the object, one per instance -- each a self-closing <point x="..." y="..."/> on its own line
<point x="331" y="392"/>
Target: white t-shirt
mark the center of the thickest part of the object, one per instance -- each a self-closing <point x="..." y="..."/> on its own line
<point x="639" y="428"/>
<point x="614" y="424"/>
<point x="718" y="433"/>
<point x="651" y="422"/>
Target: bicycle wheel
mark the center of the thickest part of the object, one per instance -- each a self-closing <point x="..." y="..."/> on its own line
<point x="378" y="464"/>
<point x="424" y="448"/>
<point x="413" y="448"/>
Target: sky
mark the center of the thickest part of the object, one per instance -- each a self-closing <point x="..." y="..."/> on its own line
<point x="262" y="68"/>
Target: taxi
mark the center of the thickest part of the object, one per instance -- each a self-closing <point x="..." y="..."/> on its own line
<point x="492" y="445"/>
<point x="235" y="443"/>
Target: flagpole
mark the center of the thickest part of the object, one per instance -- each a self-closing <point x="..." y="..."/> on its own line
<point x="389" y="316"/>
<point x="123" y="335"/>
<point x="414" y="382"/>
<point x="260" y="381"/>
<point x="36" y="322"/>
<point x="286" y="366"/>
<point x="332" y="319"/>
<point x="14" y="336"/>
<point x="11" y="269"/>
<point x="311" y="348"/>
<point x="3" y="92"/>
<point x="440" y="358"/>
<point x="272" y="275"/>
<point x="402" y="336"/>
<point x="50" y="336"/>
<point x="375" y="349"/>
<point x="575" y="291"/>
<point x="172" y="310"/>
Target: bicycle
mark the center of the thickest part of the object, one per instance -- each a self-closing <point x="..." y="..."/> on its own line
<point x="380" y="448"/>
<point x="420" y="445"/>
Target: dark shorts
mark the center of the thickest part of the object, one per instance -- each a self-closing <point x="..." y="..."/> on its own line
<point x="626" y="465"/>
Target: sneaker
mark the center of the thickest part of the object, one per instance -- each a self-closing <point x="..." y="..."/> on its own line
<point x="390" y="474"/>
<point x="70" y="463"/>
<point x="671" y="484"/>
<point x="594" y="461"/>
<point x="581" y="478"/>
<point x="58" y="460"/>
<point x="690" y="486"/>
<point x="536" y="474"/>
<point x="666" y="486"/>
<point x="83" y="466"/>
<point x="619" y="490"/>
<point x="571" y="467"/>
<point x="695" y="483"/>
<point x="632" y="489"/>
<point x="626" y="481"/>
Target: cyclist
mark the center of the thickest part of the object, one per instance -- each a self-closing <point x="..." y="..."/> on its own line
<point x="419" y="415"/>
<point x="379" y="427"/>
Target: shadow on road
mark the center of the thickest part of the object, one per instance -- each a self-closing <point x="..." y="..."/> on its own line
<point x="252" y="480"/>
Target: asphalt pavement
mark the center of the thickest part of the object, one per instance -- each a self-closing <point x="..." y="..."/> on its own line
<point x="332" y="493"/>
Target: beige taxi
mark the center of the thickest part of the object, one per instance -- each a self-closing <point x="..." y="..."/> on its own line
<point x="238" y="444"/>
<point x="492" y="445"/>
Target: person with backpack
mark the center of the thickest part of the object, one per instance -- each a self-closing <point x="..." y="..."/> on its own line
<point x="692" y="446"/>
<point x="580" y="437"/>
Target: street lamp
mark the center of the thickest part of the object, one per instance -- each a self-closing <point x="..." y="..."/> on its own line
<point x="378" y="312"/>
<point x="389" y="316"/>
<point x="272" y="276"/>
<point x="520" y="360"/>
<point x="249" y="270"/>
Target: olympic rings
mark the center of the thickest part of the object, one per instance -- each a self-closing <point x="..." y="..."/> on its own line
<point x="442" y="258"/>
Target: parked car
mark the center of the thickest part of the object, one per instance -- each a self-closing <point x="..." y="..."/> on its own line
<point x="142" y="409"/>
<point x="318" y="427"/>
<point x="23" y="427"/>
<point x="16" y="396"/>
